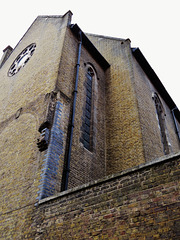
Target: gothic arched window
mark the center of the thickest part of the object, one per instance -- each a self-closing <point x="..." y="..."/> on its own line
<point x="87" y="136"/>
<point x="161" y="119"/>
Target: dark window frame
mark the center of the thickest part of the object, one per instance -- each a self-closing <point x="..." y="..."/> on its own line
<point x="161" y="119"/>
<point x="87" y="124"/>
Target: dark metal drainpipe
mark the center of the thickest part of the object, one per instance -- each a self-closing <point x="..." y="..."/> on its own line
<point x="67" y="169"/>
<point x="175" y="122"/>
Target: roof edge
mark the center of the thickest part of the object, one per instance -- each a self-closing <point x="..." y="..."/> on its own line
<point x="107" y="37"/>
<point x="56" y="16"/>
<point x="89" y="46"/>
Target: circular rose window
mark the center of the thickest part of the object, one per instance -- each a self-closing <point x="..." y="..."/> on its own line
<point x="21" y="59"/>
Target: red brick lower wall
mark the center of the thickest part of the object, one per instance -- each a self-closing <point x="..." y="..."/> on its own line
<point x="140" y="203"/>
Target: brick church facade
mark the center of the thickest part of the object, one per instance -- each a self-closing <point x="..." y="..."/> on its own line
<point x="90" y="139"/>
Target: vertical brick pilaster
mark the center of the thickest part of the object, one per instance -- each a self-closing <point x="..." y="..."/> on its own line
<point x="51" y="160"/>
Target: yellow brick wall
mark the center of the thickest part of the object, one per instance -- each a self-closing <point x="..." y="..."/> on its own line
<point x="120" y="129"/>
<point x="153" y="146"/>
<point x="85" y="165"/>
<point x="26" y="93"/>
<point x="40" y="74"/>
<point x="133" y="130"/>
<point x="124" y="143"/>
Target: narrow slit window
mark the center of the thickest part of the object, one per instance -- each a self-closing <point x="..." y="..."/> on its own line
<point x="161" y="119"/>
<point x="87" y="137"/>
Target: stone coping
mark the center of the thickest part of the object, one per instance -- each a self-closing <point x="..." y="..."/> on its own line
<point x="157" y="161"/>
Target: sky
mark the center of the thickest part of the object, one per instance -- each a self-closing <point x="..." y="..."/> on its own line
<point x="151" y="25"/>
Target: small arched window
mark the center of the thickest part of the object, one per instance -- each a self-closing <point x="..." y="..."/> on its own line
<point x="87" y="125"/>
<point x="161" y="119"/>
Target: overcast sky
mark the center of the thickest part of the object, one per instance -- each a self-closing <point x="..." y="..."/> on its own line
<point x="151" y="25"/>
